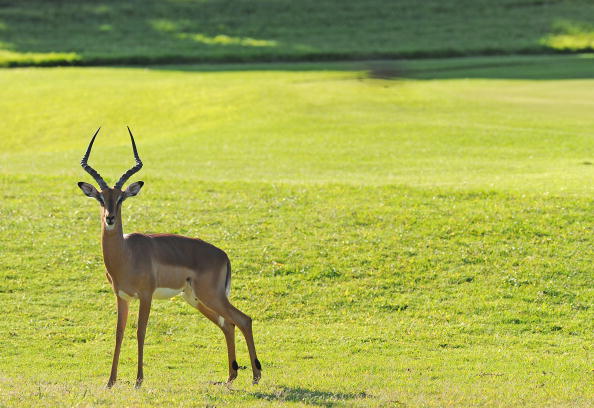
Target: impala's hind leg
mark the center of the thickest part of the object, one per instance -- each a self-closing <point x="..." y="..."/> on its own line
<point x="223" y="307"/>
<point x="228" y="329"/>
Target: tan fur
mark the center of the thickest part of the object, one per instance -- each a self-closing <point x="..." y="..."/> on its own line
<point x="137" y="264"/>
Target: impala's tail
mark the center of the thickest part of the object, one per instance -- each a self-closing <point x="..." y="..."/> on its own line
<point x="228" y="279"/>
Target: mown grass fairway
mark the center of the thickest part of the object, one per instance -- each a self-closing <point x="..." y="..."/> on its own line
<point x="418" y="240"/>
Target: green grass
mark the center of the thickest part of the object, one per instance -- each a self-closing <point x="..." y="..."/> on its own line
<point x="115" y="32"/>
<point x="422" y="239"/>
<point x="293" y="123"/>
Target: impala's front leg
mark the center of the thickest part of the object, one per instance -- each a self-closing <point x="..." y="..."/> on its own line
<point x="122" y="318"/>
<point x="143" y="316"/>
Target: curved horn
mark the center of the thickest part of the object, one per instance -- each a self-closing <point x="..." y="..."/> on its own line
<point x="89" y="169"/>
<point x="134" y="169"/>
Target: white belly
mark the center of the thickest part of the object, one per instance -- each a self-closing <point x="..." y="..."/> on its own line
<point x="126" y="296"/>
<point x="190" y="296"/>
<point x="165" y="293"/>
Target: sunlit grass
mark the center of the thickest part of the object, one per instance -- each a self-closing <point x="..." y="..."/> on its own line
<point x="314" y="125"/>
<point x="413" y="242"/>
<point x="11" y="58"/>
<point x="571" y="36"/>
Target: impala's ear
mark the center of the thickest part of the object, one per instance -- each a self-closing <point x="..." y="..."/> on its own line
<point x="89" y="190"/>
<point x="133" y="189"/>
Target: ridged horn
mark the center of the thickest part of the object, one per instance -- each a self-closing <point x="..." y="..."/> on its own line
<point x="134" y="169"/>
<point x="91" y="170"/>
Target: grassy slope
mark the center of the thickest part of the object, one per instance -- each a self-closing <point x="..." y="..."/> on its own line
<point x="414" y="242"/>
<point x="314" y="126"/>
<point x="88" y="32"/>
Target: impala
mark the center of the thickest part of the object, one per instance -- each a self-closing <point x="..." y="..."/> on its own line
<point x="160" y="266"/>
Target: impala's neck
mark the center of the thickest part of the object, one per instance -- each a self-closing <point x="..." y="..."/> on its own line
<point x="112" y="241"/>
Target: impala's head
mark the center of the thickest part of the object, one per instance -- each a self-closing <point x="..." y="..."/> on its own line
<point x="111" y="199"/>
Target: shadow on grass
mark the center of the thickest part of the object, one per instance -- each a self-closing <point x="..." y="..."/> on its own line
<point x="143" y="32"/>
<point x="532" y="67"/>
<point x="310" y="397"/>
<point x="545" y="67"/>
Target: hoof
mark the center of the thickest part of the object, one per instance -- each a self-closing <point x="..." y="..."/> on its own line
<point x="138" y="383"/>
<point x="256" y="379"/>
<point x="231" y="378"/>
<point x="110" y="384"/>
